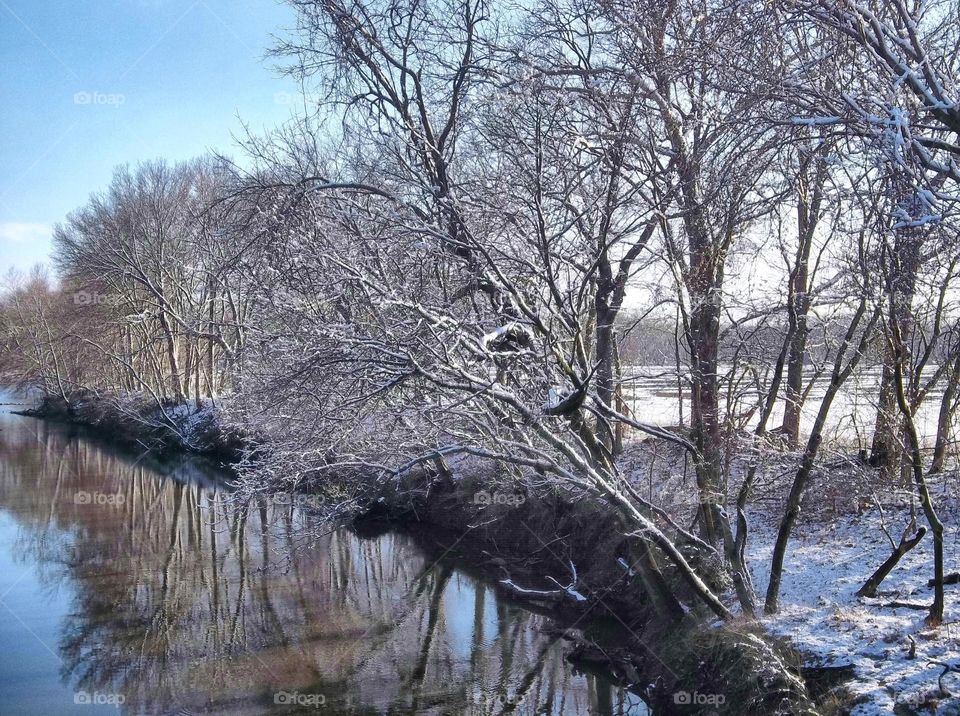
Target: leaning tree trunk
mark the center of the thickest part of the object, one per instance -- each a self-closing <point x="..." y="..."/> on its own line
<point x="906" y="543"/>
<point x="838" y="377"/>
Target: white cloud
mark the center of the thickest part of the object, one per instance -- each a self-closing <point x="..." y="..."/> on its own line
<point x="16" y="232"/>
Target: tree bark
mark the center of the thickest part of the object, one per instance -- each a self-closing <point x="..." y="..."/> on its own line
<point x="945" y="418"/>
<point x="792" y="508"/>
<point x="869" y="589"/>
<point x="798" y="301"/>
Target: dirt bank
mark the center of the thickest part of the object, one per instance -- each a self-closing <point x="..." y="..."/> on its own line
<point x="569" y="559"/>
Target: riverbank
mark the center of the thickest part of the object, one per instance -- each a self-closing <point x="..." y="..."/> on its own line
<point x="554" y="552"/>
<point x="850" y="519"/>
<point x="567" y="559"/>
<point x="860" y="655"/>
<point x="141" y="586"/>
<point x="139" y="421"/>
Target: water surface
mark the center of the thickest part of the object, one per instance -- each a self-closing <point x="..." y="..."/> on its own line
<point x="136" y="587"/>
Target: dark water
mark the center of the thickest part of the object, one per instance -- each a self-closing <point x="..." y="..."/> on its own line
<point x="131" y="587"/>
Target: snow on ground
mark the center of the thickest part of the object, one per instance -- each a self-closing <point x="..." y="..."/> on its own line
<point x="825" y="566"/>
<point x="191" y="417"/>
<point x="651" y="394"/>
<point x="837" y="543"/>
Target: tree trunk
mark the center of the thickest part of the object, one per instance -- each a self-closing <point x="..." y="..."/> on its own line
<point x="901" y="358"/>
<point x="210" y="376"/>
<point x="869" y="589"/>
<point x="790" y="513"/>
<point x="792" y="507"/>
<point x="798" y="303"/>
<point x="945" y="418"/>
<point x="884" y="451"/>
<point x="794" y="384"/>
<point x="175" y="379"/>
<point x="705" y="411"/>
<point x="605" y="358"/>
<point x="903" y="264"/>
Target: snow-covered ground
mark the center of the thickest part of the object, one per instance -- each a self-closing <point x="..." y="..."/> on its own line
<point x="652" y="395"/>
<point x="838" y="542"/>
<point x="828" y="561"/>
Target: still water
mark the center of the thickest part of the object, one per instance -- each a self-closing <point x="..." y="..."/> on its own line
<point x="128" y="586"/>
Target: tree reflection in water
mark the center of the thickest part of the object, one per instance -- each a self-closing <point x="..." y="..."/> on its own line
<point x="183" y="600"/>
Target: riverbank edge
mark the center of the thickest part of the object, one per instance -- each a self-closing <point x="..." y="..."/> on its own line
<point x="140" y="423"/>
<point x="686" y="666"/>
<point x="526" y="544"/>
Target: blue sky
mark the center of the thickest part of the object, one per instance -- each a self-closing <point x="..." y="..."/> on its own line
<point x="87" y="85"/>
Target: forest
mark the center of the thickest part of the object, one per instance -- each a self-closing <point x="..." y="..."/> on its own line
<point x="693" y="262"/>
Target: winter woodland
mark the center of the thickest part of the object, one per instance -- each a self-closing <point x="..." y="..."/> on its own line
<point x="696" y="260"/>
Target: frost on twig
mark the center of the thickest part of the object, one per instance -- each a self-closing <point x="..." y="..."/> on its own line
<point x="569" y="590"/>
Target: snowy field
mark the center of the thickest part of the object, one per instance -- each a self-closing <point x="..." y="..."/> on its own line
<point x="838" y="542"/>
<point x="825" y="566"/>
<point x="652" y="394"/>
